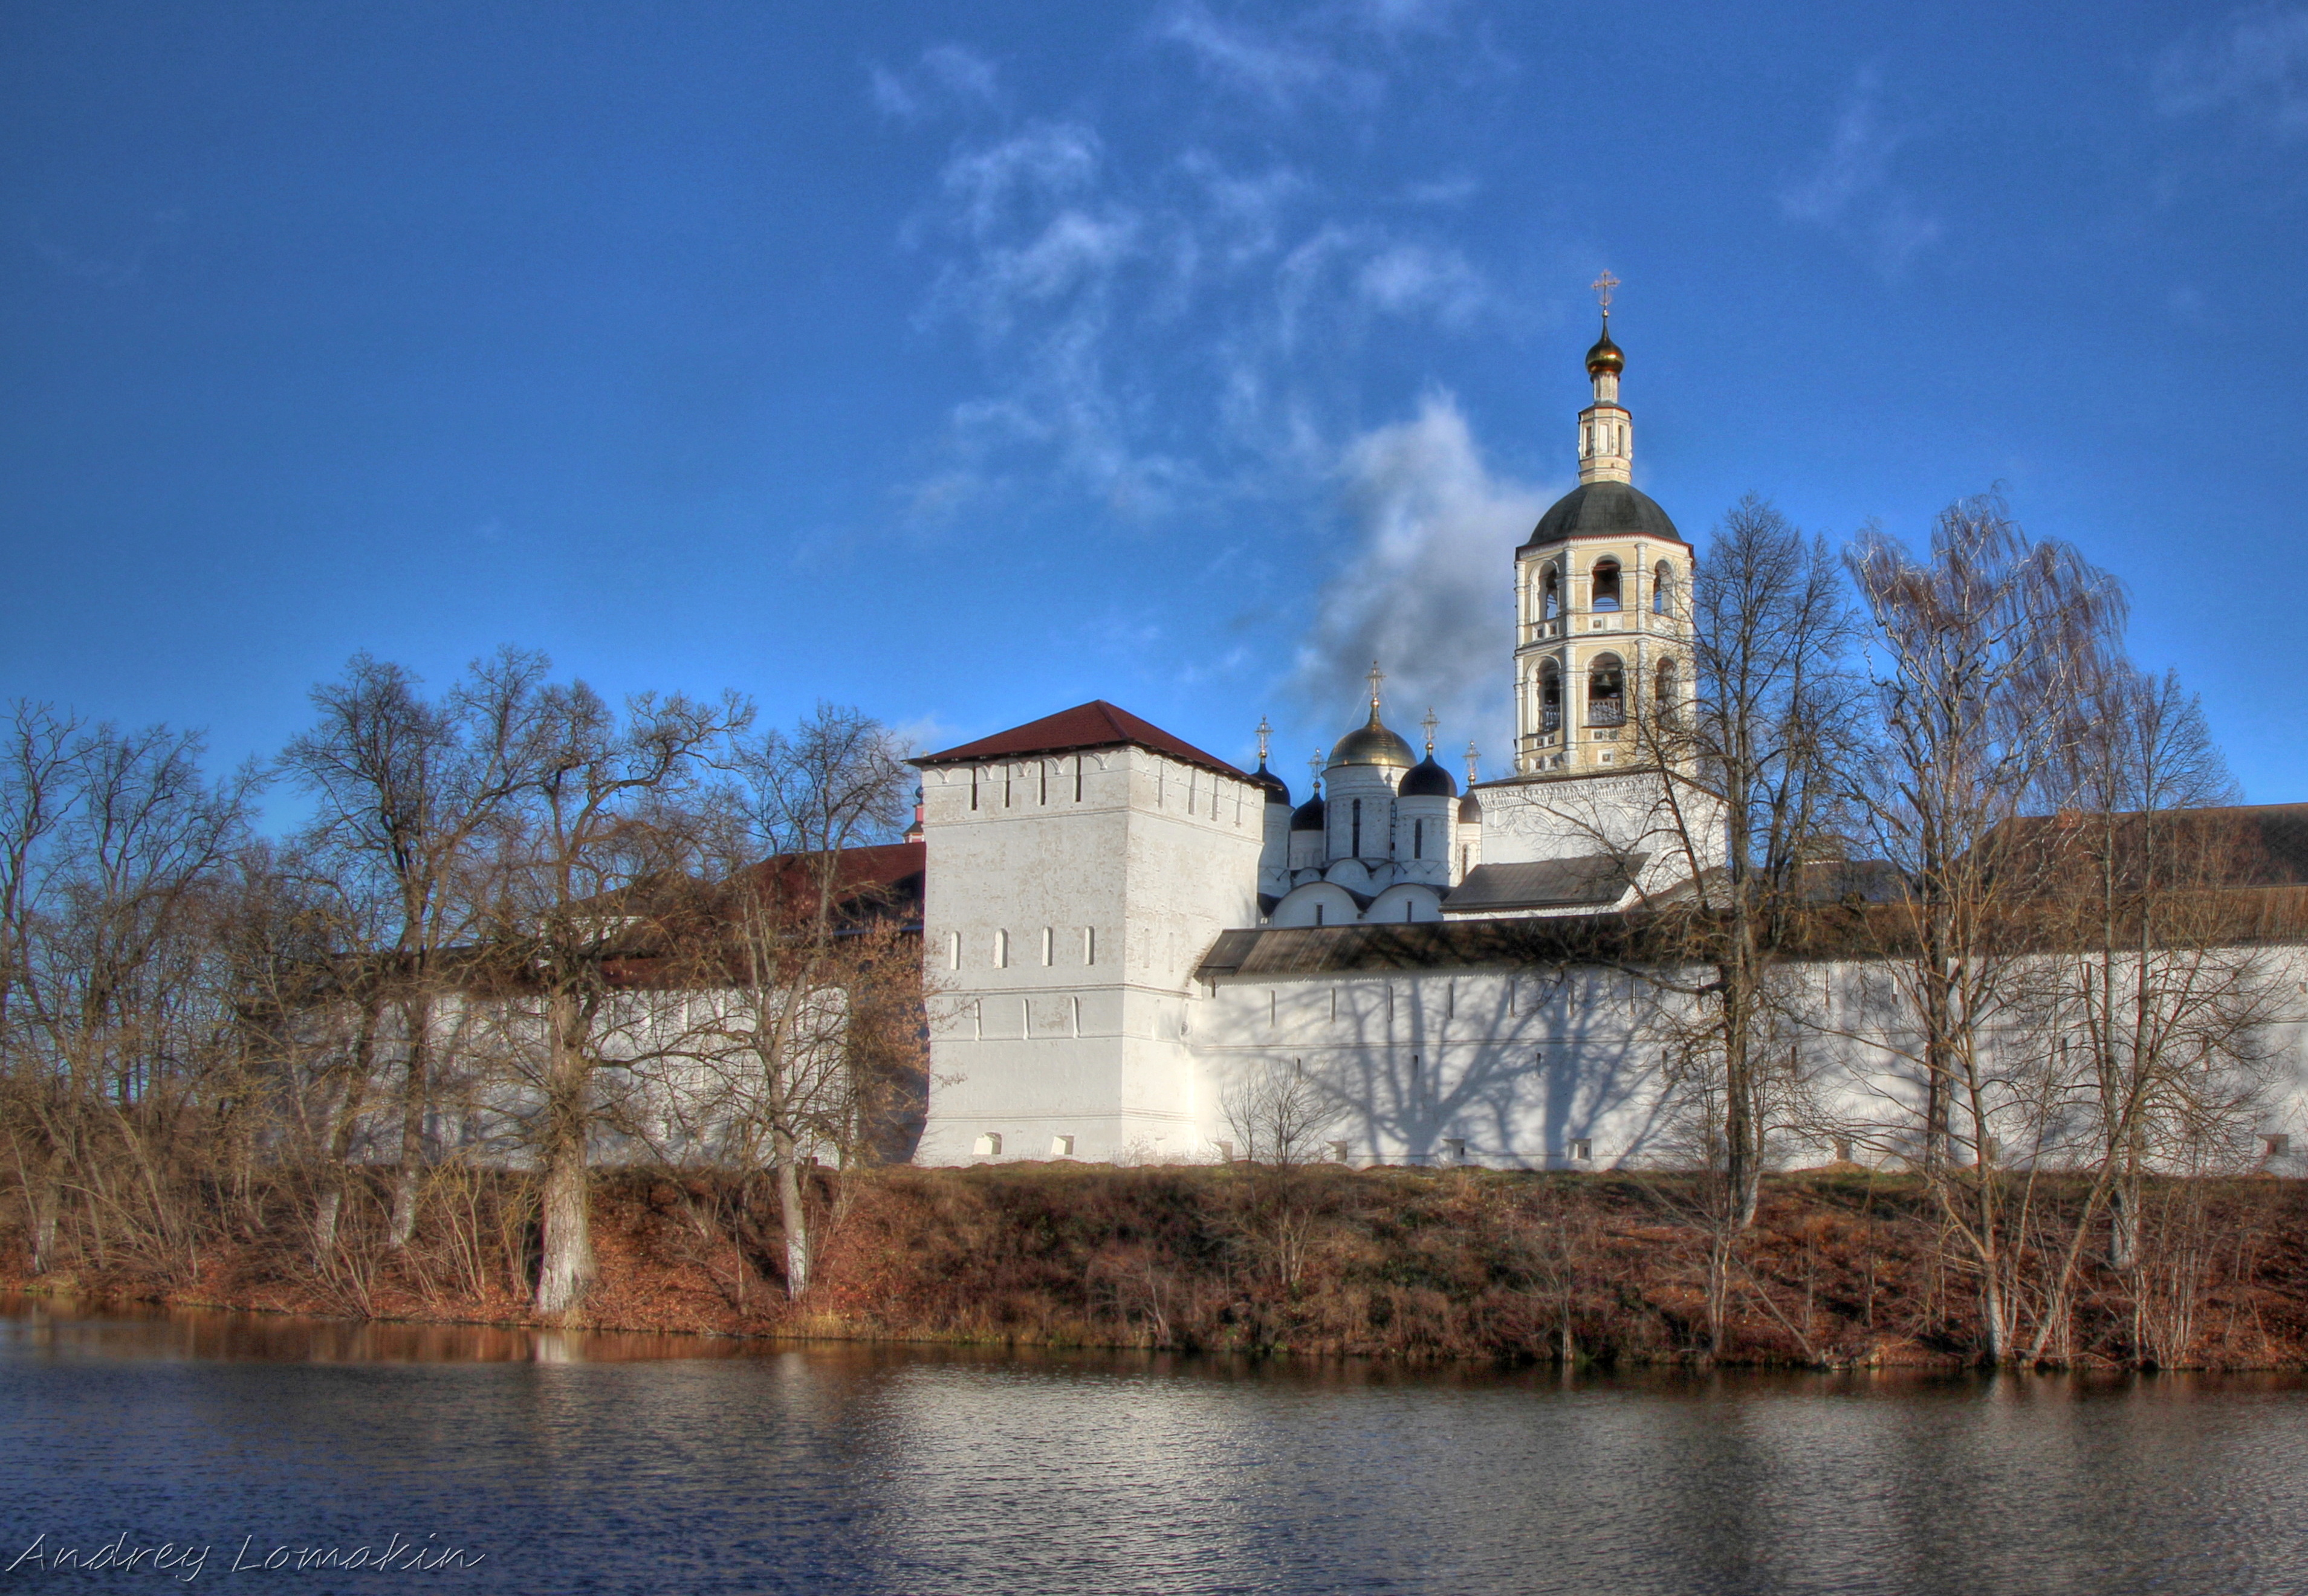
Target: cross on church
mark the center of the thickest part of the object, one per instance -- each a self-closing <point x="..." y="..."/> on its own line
<point x="1376" y="676"/>
<point x="1471" y="765"/>
<point x="1603" y="286"/>
<point x="1314" y="770"/>
<point x="1264" y="731"/>
<point x="1430" y="723"/>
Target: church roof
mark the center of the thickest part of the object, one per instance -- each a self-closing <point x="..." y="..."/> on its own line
<point x="1095" y="725"/>
<point x="1603" y="509"/>
<point x="1591" y="880"/>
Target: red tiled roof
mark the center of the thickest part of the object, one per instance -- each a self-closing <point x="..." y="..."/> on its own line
<point x="1095" y="725"/>
<point x="889" y="868"/>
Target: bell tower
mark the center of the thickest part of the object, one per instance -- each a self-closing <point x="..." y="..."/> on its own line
<point x="1603" y="600"/>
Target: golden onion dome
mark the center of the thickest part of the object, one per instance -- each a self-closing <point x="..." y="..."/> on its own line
<point x="1374" y="744"/>
<point x="1606" y="356"/>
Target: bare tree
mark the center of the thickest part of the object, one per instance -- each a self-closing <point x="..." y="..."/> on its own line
<point x="2155" y="979"/>
<point x="1983" y="649"/>
<point x="598" y="851"/>
<point x="1276" y="1114"/>
<point x="1753" y="770"/>
<point x="807" y="1014"/>
<point x="118" y="1026"/>
<point x="407" y="790"/>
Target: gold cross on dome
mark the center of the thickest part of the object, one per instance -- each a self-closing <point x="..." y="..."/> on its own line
<point x="1314" y="770"/>
<point x="1376" y="676"/>
<point x="1603" y="286"/>
<point x="1264" y="731"/>
<point x="1471" y="764"/>
<point x="1430" y="723"/>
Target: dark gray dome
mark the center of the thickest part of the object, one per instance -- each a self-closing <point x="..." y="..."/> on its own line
<point x="1308" y="816"/>
<point x="1603" y="509"/>
<point x="1427" y="780"/>
<point x="1471" y="809"/>
<point x="1277" y="791"/>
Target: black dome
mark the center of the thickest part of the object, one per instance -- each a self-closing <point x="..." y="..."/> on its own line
<point x="1603" y="509"/>
<point x="1276" y="791"/>
<point x="1471" y="809"/>
<point x="1427" y="780"/>
<point x="1308" y="816"/>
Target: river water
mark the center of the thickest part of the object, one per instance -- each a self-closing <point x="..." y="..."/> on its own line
<point x="632" y="1463"/>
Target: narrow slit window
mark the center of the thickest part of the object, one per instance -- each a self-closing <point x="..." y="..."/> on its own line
<point x="1002" y="950"/>
<point x="973" y="786"/>
<point x="1090" y="944"/>
<point x="953" y="951"/>
<point x="1078" y="778"/>
<point x="1049" y="947"/>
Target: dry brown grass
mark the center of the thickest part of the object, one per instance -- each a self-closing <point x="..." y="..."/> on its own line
<point x="1842" y="1268"/>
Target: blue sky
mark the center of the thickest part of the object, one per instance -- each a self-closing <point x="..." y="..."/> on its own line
<point x="966" y="362"/>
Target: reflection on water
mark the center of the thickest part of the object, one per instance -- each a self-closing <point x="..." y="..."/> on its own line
<point x="623" y="1463"/>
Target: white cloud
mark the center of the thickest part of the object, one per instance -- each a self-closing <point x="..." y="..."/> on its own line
<point x="1850" y="192"/>
<point x="1423" y="591"/>
<point x="109" y="270"/>
<point x="947" y="77"/>
<point x="2254" y="63"/>
<point x="1268" y="66"/>
<point x="1079" y="282"/>
<point x="1406" y="279"/>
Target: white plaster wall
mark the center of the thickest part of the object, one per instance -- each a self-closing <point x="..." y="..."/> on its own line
<point x="1155" y="858"/>
<point x="1512" y="1069"/>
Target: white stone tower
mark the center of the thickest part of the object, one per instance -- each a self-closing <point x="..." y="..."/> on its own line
<point x="1602" y="599"/>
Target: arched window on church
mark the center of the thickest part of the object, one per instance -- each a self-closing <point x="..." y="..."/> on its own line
<point x="1418" y="839"/>
<point x="1606" y="691"/>
<point x="1550" y="590"/>
<point x="1355" y="845"/>
<point x="1663" y="589"/>
<point x="1550" y="697"/>
<point x="1607" y="585"/>
<point x="1664" y="692"/>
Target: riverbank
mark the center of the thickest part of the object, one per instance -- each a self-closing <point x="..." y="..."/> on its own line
<point x="1841" y="1268"/>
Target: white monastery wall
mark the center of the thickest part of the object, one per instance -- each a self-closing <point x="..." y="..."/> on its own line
<point x="1061" y="933"/>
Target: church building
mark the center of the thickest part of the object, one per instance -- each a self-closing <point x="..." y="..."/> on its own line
<point x="1125" y="936"/>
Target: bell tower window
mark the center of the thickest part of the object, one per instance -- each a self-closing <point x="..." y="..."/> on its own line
<point x="1663" y="589"/>
<point x="1550" y="603"/>
<point x="1550" y="697"/>
<point x="1606" y="691"/>
<point x="1607" y="585"/>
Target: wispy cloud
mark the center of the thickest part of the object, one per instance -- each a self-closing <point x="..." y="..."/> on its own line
<point x="1278" y="67"/>
<point x="2254" y="64"/>
<point x="107" y="269"/>
<point x="1850" y="191"/>
<point x="1076" y="278"/>
<point x="947" y="77"/>
<point x="1421" y="590"/>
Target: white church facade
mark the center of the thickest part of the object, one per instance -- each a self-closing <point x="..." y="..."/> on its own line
<point x="1122" y="930"/>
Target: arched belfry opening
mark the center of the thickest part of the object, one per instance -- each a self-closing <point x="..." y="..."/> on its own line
<point x="1606" y="691"/>
<point x="1605" y="585"/>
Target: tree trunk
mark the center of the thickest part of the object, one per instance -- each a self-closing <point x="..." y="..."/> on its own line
<point x="416" y="1097"/>
<point x="793" y="1213"/>
<point x="567" y="1271"/>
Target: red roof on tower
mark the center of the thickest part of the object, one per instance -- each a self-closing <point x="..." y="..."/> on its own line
<point x="1095" y="725"/>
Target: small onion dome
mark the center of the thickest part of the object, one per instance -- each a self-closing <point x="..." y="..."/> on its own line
<point x="1276" y="791"/>
<point x="1308" y="816"/>
<point x="1427" y="780"/>
<point x="1606" y="356"/>
<point x="1372" y="745"/>
<point x="1471" y="810"/>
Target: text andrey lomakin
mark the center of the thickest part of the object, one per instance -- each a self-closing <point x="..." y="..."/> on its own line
<point x="185" y="1562"/>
